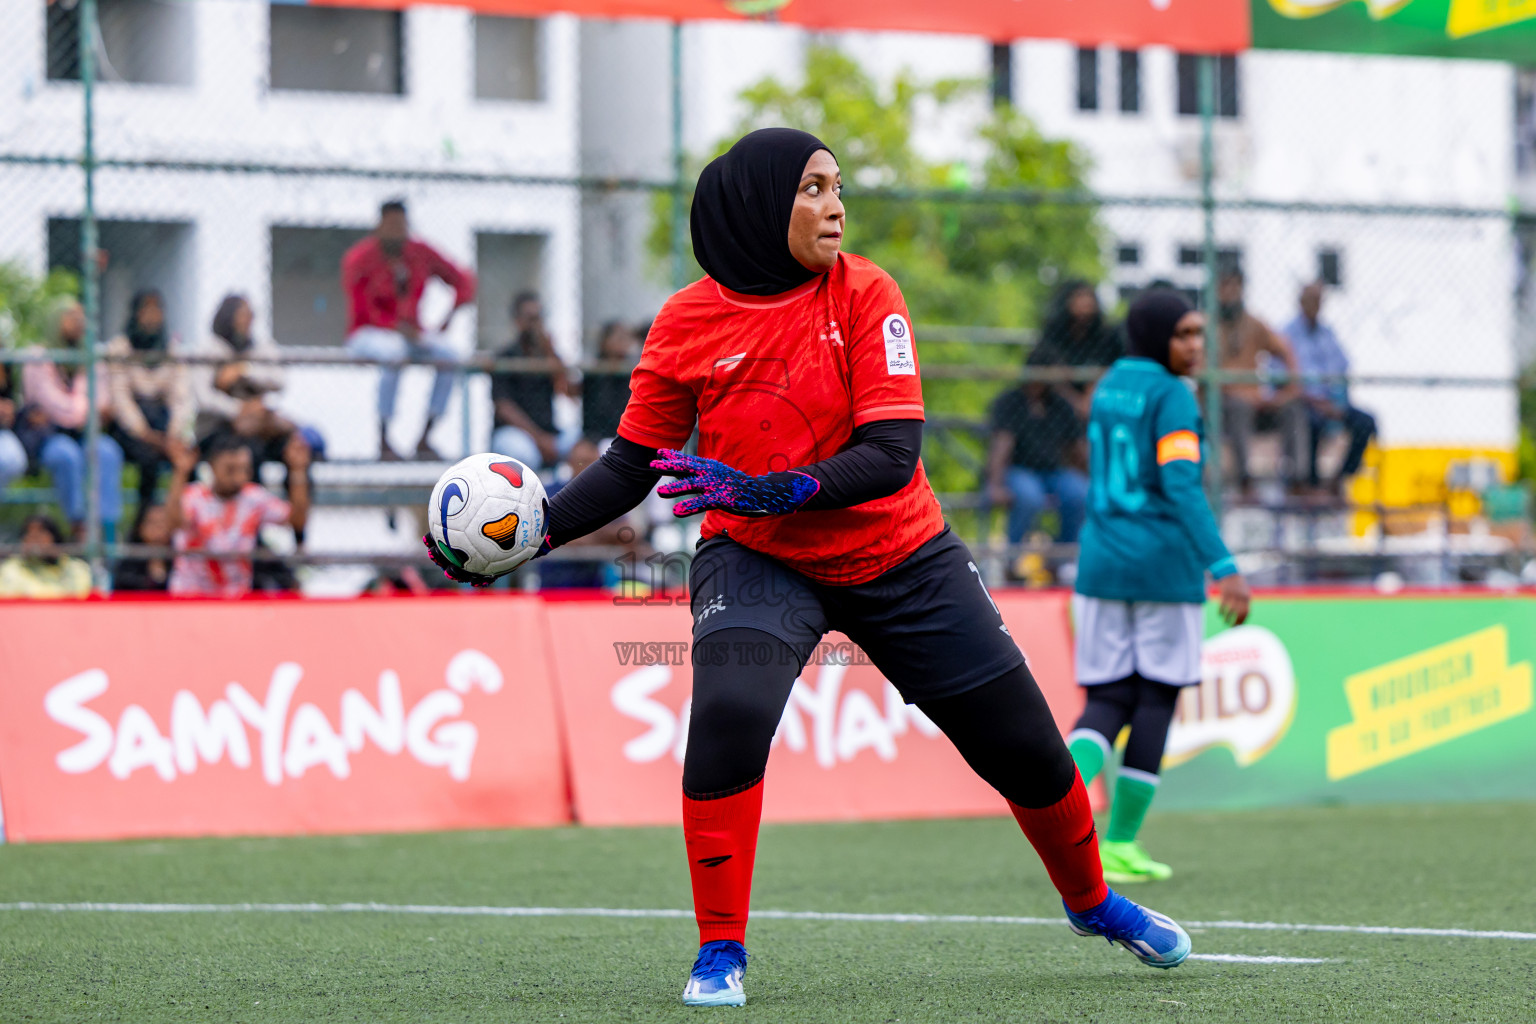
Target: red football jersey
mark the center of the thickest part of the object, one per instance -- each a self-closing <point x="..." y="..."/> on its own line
<point x="780" y="382"/>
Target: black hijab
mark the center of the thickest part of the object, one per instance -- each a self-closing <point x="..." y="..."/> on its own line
<point x="741" y="212"/>
<point x="224" y="322"/>
<point x="1149" y="324"/>
<point x="141" y="339"/>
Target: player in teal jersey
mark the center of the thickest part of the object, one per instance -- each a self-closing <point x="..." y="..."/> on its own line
<point x="1149" y="542"/>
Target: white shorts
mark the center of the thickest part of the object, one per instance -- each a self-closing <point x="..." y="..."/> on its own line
<point x="1159" y="640"/>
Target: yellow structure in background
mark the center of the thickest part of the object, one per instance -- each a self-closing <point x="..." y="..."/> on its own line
<point x="1469" y="17"/>
<point x="1415" y="481"/>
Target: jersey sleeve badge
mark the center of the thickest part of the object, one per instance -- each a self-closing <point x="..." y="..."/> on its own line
<point x="899" y="360"/>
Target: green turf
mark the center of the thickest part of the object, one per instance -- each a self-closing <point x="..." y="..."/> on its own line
<point x="1444" y="866"/>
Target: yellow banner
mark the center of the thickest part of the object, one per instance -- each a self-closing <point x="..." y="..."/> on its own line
<point x="1428" y="698"/>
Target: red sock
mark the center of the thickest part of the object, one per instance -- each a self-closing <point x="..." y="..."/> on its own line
<point x="1064" y="837"/>
<point x="721" y="835"/>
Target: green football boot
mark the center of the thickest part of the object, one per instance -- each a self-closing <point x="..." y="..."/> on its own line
<point x="1126" y="863"/>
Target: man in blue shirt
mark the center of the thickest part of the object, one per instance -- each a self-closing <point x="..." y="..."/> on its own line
<point x="1323" y="367"/>
<point x="1148" y="544"/>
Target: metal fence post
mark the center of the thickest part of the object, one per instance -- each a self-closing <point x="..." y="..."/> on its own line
<point x="90" y="289"/>
<point x="1213" y="481"/>
<point x="679" y="186"/>
<point x="464" y="425"/>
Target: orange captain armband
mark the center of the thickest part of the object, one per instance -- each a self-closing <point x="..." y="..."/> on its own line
<point x="1179" y="445"/>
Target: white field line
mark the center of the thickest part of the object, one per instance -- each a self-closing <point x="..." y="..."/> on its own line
<point x="760" y="915"/>
<point x="1239" y="958"/>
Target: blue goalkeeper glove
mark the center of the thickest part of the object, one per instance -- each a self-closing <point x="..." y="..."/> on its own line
<point x="718" y="486"/>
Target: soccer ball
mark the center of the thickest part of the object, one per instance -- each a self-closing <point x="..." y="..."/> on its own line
<point x="487" y="514"/>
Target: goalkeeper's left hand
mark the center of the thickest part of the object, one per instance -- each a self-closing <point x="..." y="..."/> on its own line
<point x="452" y="571"/>
<point x="474" y="579"/>
<point x="718" y="486"/>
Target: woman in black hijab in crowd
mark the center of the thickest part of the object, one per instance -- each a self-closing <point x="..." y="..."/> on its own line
<point x="1075" y="334"/>
<point x="151" y="396"/>
<point x="795" y="362"/>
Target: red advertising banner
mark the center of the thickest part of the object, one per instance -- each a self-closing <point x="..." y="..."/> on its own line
<point x="123" y="719"/>
<point x="847" y="747"/>
<point x="1196" y="26"/>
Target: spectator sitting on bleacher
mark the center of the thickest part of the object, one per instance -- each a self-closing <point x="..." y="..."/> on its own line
<point x="13" y="457"/>
<point x="523" y="401"/>
<point x="383" y="277"/>
<point x="1320" y="356"/>
<point x="40" y="571"/>
<point x="236" y="373"/>
<point x="51" y="426"/>
<point x="1075" y="335"/>
<point x="241" y="375"/>
<point x="1035" y="453"/>
<point x="1248" y="345"/>
<point x="226" y="516"/>
<point x="605" y="392"/>
<point x="151" y="399"/>
<point x="146" y="575"/>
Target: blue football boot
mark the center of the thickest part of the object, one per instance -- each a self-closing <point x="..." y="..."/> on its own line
<point x="716" y="977"/>
<point x="1152" y="938"/>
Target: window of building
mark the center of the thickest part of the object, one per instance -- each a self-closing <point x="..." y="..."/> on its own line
<point x="506" y="264"/>
<point x="308" y="306"/>
<point x="1226" y="257"/>
<point x="145" y="42"/>
<point x="507" y="65"/>
<point x="1329" y="270"/>
<point x="1128" y="254"/>
<point x="1087" y="79"/>
<point x="1002" y="73"/>
<point x="1226" y="85"/>
<point x="138" y="254"/>
<point x="336" y="49"/>
<point x="1130" y="81"/>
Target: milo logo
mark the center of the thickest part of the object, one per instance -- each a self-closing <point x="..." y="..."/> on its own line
<point x="1245" y="700"/>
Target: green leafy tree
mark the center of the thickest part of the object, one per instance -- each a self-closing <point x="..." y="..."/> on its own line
<point x="25" y="303"/>
<point x="961" y="260"/>
<point x="969" y="258"/>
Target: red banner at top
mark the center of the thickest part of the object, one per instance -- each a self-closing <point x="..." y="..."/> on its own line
<point x="1192" y="26"/>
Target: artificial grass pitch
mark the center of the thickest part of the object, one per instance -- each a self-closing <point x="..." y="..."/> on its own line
<point x="1462" y="867"/>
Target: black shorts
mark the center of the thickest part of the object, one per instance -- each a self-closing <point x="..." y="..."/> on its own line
<point x="928" y="624"/>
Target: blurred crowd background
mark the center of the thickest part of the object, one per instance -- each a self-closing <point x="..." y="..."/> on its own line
<point x="266" y="269"/>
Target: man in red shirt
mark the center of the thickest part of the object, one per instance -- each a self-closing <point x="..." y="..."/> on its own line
<point x="384" y="276"/>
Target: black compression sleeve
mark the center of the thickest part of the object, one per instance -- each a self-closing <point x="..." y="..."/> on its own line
<point x="602" y="492"/>
<point x="879" y="461"/>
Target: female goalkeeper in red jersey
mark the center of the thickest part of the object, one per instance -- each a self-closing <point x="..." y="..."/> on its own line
<point x="795" y="361"/>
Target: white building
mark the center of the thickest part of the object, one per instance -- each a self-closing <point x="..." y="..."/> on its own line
<point x="264" y="136"/>
<point x="298" y="122"/>
<point x="1427" y="291"/>
<point x="269" y="135"/>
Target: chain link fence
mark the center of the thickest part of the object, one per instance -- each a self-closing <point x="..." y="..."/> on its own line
<point x="236" y="148"/>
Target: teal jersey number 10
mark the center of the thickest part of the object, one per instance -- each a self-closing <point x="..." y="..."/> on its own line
<point x="1115" y="469"/>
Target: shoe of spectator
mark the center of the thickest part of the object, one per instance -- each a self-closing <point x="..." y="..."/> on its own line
<point x="426" y="453"/>
<point x="388" y="454"/>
